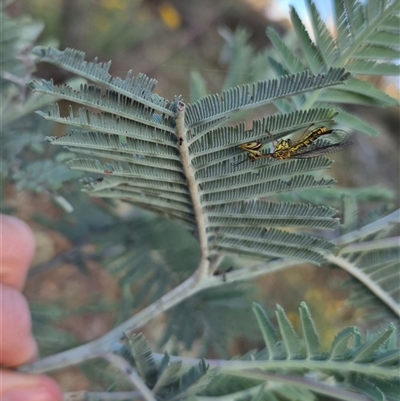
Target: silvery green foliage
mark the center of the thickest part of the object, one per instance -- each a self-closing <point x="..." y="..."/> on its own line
<point x="140" y="151"/>
<point x="296" y="364"/>
<point x="135" y="131"/>
<point x="20" y="129"/>
<point x="364" y="41"/>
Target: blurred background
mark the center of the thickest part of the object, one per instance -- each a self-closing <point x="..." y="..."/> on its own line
<point x="91" y="263"/>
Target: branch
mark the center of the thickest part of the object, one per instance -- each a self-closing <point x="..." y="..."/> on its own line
<point x="100" y="347"/>
<point x="335" y="392"/>
<point x="379" y="244"/>
<point x="366" y="280"/>
<point x="215" y="263"/>
<point x="111" y="341"/>
<point x="103" y="345"/>
<point x="201" y="218"/>
<point x="247" y="273"/>
<point x="368" y="229"/>
<point x="131" y="375"/>
<point x="103" y="396"/>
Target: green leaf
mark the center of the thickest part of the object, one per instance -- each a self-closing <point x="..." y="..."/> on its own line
<point x="311" y="52"/>
<point x="143" y="358"/>
<point x="358" y="92"/>
<point x="148" y="157"/>
<point x="367" y="67"/>
<point x="340" y="344"/>
<point x="245" y="97"/>
<point x="311" y="339"/>
<point x="193" y="381"/>
<point x="292" y="63"/>
<point x="289" y="337"/>
<point x="356" y="123"/>
<point x="268" y="331"/>
<point x="168" y="374"/>
<point x="367" y="352"/>
<point x="197" y="86"/>
<point x="241" y="53"/>
<point x="324" y="39"/>
<point x="349" y="212"/>
<point x="377" y="52"/>
<point x="139" y="88"/>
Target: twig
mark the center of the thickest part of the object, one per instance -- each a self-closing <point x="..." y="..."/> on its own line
<point x="103" y="345"/>
<point x="131" y="374"/>
<point x="335" y="392"/>
<point x="103" y="396"/>
<point x="112" y="340"/>
<point x="369" y="228"/>
<point x="367" y="281"/>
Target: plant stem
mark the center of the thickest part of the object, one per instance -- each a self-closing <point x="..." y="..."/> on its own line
<point x="366" y="280"/>
<point x="100" y="347"/>
<point x="201" y="218"/>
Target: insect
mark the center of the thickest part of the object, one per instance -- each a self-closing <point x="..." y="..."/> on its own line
<point x="285" y="148"/>
<point x="223" y="273"/>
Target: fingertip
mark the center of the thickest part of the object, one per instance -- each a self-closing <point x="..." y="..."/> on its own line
<point x="17" y="250"/>
<point x="51" y="387"/>
<point x="17" y="345"/>
<point x="24" y="387"/>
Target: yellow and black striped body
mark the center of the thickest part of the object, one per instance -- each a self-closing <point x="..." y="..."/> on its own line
<point x="285" y="148"/>
<point x="310" y="138"/>
<point x="282" y="149"/>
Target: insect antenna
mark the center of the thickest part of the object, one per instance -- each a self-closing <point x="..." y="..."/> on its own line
<point x="234" y="165"/>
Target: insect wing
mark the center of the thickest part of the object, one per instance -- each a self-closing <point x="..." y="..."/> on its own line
<point x="320" y="151"/>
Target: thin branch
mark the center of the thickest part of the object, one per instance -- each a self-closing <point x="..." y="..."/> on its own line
<point x="100" y="347"/>
<point x="229" y="366"/>
<point x="246" y="394"/>
<point x="131" y="374"/>
<point x="367" y="281"/>
<point x="368" y="229"/>
<point x="216" y="262"/>
<point x="273" y="365"/>
<point x="20" y="81"/>
<point x="385" y="243"/>
<point x="335" y="392"/>
<point x="247" y="273"/>
<point x="103" y="396"/>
